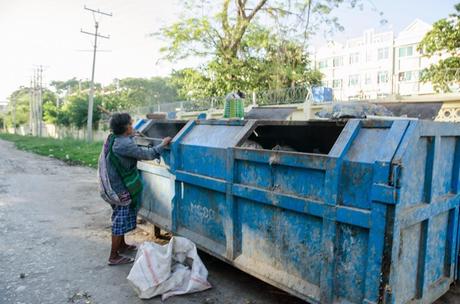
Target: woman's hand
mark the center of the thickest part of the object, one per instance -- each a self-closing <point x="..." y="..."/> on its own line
<point x="166" y="141"/>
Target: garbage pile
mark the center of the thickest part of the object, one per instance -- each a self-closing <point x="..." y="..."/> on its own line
<point x="278" y="147"/>
<point x="353" y="110"/>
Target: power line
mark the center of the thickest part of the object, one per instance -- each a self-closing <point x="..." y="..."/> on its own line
<point x="91" y="90"/>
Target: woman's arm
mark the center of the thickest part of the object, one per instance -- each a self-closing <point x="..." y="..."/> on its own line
<point x="127" y="147"/>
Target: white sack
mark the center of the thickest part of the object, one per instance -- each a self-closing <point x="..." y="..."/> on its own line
<point x="168" y="270"/>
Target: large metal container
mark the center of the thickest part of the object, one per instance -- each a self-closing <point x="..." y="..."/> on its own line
<point x="356" y="212"/>
<point x="158" y="179"/>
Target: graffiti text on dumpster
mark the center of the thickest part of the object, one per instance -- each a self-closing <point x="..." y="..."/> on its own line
<point x="203" y="213"/>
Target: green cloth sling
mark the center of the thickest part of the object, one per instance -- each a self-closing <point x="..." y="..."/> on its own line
<point x="130" y="177"/>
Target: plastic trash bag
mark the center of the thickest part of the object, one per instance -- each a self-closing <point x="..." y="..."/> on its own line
<point x="168" y="270"/>
<point x="284" y="148"/>
<point x="251" y="144"/>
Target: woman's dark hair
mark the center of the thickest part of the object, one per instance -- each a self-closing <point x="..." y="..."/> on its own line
<point x="119" y="123"/>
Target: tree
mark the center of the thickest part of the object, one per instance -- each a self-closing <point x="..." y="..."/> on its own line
<point x="75" y="111"/>
<point x="20" y="99"/>
<point x="222" y="31"/>
<point x="49" y="107"/>
<point x="145" y="91"/>
<point x="193" y="82"/>
<point x="130" y="93"/>
<point x="247" y="43"/>
<point x="442" y="40"/>
<point x="72" y="86"/>
<point x="265" y="63"/>
<point x="50" y="112"/>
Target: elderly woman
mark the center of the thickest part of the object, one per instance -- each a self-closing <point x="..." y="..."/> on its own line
<point x="120" y="155"/>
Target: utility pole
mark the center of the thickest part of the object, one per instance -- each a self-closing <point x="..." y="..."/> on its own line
<point x="34" y="104"/>
<point x="40" y="99"/>
<point x="31" y="94"/>
<point x="14" y="114"/>
<point x="91" y="88"/>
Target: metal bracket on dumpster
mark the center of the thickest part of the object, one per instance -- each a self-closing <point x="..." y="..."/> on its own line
<point x="388" y="193"/>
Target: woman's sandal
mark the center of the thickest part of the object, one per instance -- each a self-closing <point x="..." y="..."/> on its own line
<point x="120" y="261"/>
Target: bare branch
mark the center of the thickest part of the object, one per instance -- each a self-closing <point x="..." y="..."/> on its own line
<point x="241" y="4"/>
<point x="256" y="9"/>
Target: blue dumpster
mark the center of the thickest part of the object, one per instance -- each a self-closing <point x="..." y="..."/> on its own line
<point x="363" y="211"/>
<point x="156" y="174"/>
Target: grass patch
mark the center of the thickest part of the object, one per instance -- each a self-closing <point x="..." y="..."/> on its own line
<point x="74" y="152"/>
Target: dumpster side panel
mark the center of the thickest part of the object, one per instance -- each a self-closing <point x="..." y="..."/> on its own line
<point x="426" y="226"/>
<point x="299" y="181"/>
<point x="444" y="164"/>
<point x="252" y="174"/>
<point x="158" y="192"/>
<point x="285" y="241"/>
<point x="351" y="254"/>
<point x="354" y="188"/>
<point x="358" y="166"/>
<point x="202" y="160"/>
<point x="407" y="263"/>
<point x="200" y="211"/>
<point x="416" y="169"/>
<point x="203" y="149"/>
<point x="436" y="248"/>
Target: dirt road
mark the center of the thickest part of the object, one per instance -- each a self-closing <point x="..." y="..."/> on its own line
<point x="54" y="242"/>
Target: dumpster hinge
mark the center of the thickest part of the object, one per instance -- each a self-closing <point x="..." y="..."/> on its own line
<point x="395" y="175"/>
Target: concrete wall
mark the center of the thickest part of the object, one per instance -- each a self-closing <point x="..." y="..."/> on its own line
<point x="49" y="130"/>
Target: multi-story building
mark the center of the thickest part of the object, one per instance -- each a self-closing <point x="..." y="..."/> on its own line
<point x="375" y="65"/>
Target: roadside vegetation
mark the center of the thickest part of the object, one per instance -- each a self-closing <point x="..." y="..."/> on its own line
<point x="73" y="152"/>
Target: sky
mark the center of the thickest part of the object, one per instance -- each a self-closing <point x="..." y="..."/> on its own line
<point x="47" y="32"/>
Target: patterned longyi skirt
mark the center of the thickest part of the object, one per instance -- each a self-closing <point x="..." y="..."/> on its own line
<point x="123" y="219"/>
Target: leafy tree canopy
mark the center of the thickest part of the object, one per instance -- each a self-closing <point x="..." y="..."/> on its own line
<point x="443" y="40"/>
<point x="248" y="45"/>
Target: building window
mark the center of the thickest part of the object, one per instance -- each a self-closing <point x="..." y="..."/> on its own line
<point x="408" y="76"/>
<point x="354" y="58"/>
<point x="406" y="51"/>
<point x="382" y="77"/>
<point x="337" y="61"/>
<point x="322" y="64"/>
<point x="337" y="83"/>
<point x="353" y="80"/>
<point x="382" y="95"/>
<point x="368" y="79"/>
<point x="369" y="56"/>
<point x="382" y="53"/>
